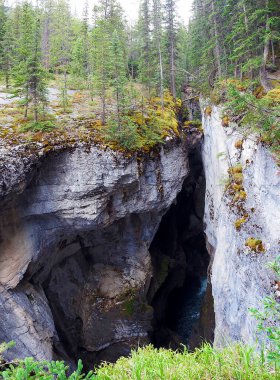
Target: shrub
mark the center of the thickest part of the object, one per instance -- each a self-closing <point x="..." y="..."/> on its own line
<point x="40" y="126"/>
<point x="125" y="136"/>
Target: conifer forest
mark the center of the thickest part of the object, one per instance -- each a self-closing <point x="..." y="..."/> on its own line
<point x="125" y="68"/>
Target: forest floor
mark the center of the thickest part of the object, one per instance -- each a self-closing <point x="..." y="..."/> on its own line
<point x="80" y="105"/>
<point x="145" y="124"/>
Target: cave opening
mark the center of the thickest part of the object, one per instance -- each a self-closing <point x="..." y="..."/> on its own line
<point x="180" y="291"/>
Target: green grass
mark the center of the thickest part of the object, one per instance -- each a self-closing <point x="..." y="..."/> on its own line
<point x="147" y="363"/>
<point x="233" y="363"/>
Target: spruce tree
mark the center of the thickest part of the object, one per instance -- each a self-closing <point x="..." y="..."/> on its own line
<point x="146" y="54"/>
<point x="119" y="77"/>
<point x="28" y="74"/>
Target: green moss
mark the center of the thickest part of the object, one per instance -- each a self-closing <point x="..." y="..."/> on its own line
<point x="129" y="306"/>
<point x="240" y="196"/>
<point x="239" y="223"/>
<point x="238" y="144"/>
<point x="192" y="124"/>
<point x="208" y="111"/>
<point x="236" y="169"/>
<point x="225" y="121"/>
<point x="255" y="245"/>
<point x="238" y="178"/>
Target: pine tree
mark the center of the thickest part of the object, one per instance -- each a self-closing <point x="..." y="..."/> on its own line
<point x="2" y="29"/>
<point x="157" y="19"/>
<point x="102" y="64"/>
<point x="119" y="78"/>
<point x="171" y="45"/>
<point x="6" y="44"/>
<point x="29" y="75"/>
<point x="145" y="48"/>
<point x="48" y="14"/>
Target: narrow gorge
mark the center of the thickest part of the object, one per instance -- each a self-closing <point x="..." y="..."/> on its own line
<point x="101" y="253"/>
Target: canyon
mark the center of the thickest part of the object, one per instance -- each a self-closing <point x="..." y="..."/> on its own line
<point x="93" y="243"/>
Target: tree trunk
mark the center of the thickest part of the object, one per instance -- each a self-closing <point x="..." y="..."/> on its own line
<point x="273" y="53"/>
<point x="263" y="73"/>
<point x="157" y="23"/>
<point x="217" y="51"/>
<point x="65" y="100"/>
<point x="171" y="47"/>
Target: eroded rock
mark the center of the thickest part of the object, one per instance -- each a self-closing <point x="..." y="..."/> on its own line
<point x="240" y="277"/>
<point x="74" y="261"/>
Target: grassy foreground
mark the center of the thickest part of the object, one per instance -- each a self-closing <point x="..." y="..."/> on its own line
<point x="236" y="362"/>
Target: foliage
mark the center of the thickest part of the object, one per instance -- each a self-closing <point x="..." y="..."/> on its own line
<point x="232" y="38"/>
<point x="269" y="319"/>
<point x="3" y="348"/>
<point x="145" y="127"/>
<point x="124" y="134"/>
<point x="148" y="363"/>
<point x="253" y="114"/>
<point x="29" y="369"/>
<point x="44" y="126"/>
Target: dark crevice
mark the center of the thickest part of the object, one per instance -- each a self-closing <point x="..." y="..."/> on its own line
<point x="183" y="311"/>
<point x="180" y="291"/>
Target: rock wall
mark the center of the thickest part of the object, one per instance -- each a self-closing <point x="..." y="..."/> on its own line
<point x="74" y="261"/>
<point x="238" y="207"/>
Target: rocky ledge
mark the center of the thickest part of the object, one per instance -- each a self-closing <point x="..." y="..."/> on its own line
<point x="76" y="226"/>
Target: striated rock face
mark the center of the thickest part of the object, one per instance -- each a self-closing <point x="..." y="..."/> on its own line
<point x="74" y="261"/>
<point x="240" y="278"/>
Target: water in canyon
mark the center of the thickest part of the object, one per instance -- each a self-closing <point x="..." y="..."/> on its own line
<point x="180" y="293"/>
<point x="184" y="308"/>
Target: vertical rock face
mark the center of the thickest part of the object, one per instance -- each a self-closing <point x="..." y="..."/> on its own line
<point x="242" y="202"/>
<point x="74" y="261"/>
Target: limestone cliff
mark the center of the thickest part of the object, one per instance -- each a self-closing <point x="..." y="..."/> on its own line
<point x="242" y="217"/>
<point x="75" y="230"/>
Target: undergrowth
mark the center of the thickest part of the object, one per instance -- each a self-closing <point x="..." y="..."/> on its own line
<point x="144" y="127"/>
<point x="43" y="126"/>
<point x="139" y="129"/>
<point x="254" y="111"/>
<point x="148" y="363"/>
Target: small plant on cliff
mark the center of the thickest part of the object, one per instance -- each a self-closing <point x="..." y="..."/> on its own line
<point x="269" y="318"/>
<point x="4" y="347"/>
<point x="255" y="245"/>
<point x="254" y="114"/>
